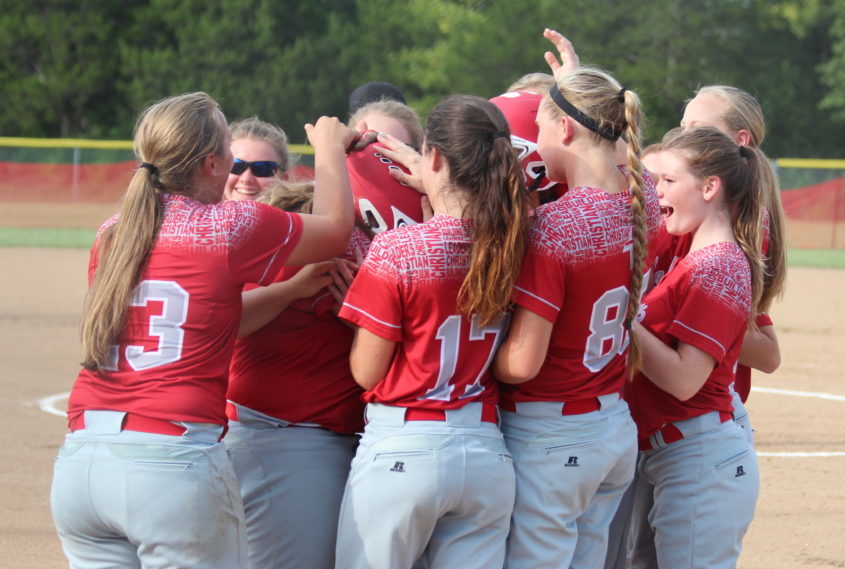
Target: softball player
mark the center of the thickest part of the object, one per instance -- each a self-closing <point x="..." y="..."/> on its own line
<point x="142" y="479"/>
<point x="570" y="434"/>
<point x="697" y="480"/>
<point x="738" y="115"/>
<point x="294" y="407"/>
<point x="261" y="158"/>
<point x="432" y="482"/>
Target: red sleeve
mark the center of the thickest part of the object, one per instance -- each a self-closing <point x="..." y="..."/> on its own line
<point x="257" y="255"/>
<point x="541" y="287"/>
<point x="703" y="320"/>
<point x="763" y="320"/>
<point x="374" y="300"/>
<point x="93" y="260"/>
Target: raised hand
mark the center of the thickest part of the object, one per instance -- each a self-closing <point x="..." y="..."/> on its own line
<point x="565" y="51"/>
<point x="329" y="130"/>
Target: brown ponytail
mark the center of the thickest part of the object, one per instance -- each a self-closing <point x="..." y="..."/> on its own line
<point x="472" y="135"/>
<point x="172" y="137"/>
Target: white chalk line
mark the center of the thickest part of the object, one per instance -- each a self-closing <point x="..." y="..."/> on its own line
<point x="48" y="405"/>
<point x="800" y="454"/>
<point x="793" y="393"/>
<point x="828" y="396"/>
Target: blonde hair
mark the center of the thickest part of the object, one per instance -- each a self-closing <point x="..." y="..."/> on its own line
<point x="255" y="129"/>
<point x="741" y="111"/>
<point x="172" y="137"/>
<point x="296" y="196"/>
<point x="709" y="152"/>
<point x="396" y="110"/>
<point x="539" y="83"/>
<point x="599" y="96"/>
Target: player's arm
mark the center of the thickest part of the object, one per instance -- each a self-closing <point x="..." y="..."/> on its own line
<point x="325" y="232"/>
<point x="263" y="304"/>
<point x="370" y="358"/>
<point x="760" y="349"/>
<point x="523" y="352"/>
<point x="680" y="372"/>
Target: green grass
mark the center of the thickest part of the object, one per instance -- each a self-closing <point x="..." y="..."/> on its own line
<point x="824" y="258"/>
<point x="52" y="237"/>
<point x="76" y="238"/>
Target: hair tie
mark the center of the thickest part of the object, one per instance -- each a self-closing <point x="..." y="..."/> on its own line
<point x="744" y="152"/>
<point x="627" y="323"/>
<point x="500" y="134"/>
<point x="621" y="94"/>
<point x="153" y="170"/>
<point x="535" y="183"/>
<point x="608" y="132"/>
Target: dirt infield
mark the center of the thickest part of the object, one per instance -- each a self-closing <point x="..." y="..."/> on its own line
<point x="800" y="516"/>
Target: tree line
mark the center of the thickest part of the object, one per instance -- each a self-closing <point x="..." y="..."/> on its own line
<point x="84" y="68"/>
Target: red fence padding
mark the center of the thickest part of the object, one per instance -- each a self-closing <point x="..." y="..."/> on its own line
<point x="819" y="202"/>
<point x="21" y="181"/>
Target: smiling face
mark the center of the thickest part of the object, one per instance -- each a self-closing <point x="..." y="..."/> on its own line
<point x="247" y="186"/>
<point x="681" y="193"/>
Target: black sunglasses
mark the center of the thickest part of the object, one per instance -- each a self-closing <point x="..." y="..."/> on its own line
<point x="262" y="169"/>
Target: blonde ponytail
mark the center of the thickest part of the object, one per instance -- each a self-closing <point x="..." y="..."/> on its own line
<point x="172" y="137"/>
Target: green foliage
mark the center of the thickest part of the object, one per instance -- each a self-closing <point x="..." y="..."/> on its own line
<point x="833" y="70"/>
<point x="86" y="68"/>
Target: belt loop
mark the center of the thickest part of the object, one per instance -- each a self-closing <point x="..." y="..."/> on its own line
<point x="609" y="400"/>
<point x="467" y="416"/>
<point x="104" y="422"/>
<point x="202" y="432"/>
<point x="385" y="415"/>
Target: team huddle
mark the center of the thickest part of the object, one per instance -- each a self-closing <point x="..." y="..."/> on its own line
<point x="511" y="338"/>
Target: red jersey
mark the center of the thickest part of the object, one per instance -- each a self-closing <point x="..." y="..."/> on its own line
<point x="171" y="361"/>
<point x="742" y="381"/>
<point x="705" y="301"/>
<point x="669" y="249"/>
<point x="406" y="292"/>
<point x="296" y="368"/>
<point x="575" y="274"/>
<point x="672" y="248"/>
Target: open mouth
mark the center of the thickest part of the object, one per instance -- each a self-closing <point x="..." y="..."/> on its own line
<point x="667" y="211"/>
